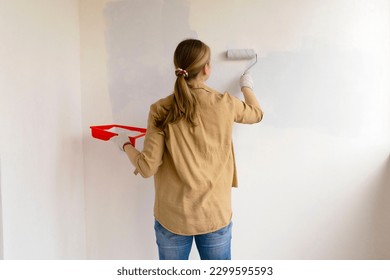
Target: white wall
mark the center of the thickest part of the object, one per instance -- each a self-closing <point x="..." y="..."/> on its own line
<point x="42" y="186"/>
<point x="312" y="176"/>
<point x="1" y="221"/>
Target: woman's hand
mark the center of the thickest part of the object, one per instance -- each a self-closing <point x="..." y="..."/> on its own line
<point x="120" y="140"/>
<point x="246" y="81"/>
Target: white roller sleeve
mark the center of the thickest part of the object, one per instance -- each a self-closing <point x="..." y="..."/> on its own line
<point x="240" y="54"/>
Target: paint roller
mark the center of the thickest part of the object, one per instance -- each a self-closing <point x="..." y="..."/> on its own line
<point x="242" y="54"/>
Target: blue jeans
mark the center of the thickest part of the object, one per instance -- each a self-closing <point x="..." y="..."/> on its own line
<point x="211" y="246"/>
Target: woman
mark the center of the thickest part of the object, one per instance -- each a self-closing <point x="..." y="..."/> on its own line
<point x="188" y="148"/>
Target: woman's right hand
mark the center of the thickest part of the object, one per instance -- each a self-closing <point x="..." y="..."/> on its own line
<point x="246" y="81"/>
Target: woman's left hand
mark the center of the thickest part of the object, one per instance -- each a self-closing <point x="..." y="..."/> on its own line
<point x="120" y="140"/>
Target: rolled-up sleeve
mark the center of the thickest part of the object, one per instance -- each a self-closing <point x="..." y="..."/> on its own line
<point x="245" y="113"/>
<point x="148" y="161"/>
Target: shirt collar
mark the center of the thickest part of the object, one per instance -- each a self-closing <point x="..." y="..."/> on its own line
<point x="199" y="85"/>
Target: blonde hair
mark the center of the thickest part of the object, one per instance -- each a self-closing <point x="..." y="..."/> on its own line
<point x="190" y="57"/>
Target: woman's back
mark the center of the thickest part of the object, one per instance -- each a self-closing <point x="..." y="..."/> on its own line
<point x="198" y="168"/>
<point x="188" y="148"/>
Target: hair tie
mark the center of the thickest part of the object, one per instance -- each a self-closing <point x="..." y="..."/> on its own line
<point x="181" y="72"/>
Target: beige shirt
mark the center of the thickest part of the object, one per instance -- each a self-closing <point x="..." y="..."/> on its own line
<point x="194" y="167"/>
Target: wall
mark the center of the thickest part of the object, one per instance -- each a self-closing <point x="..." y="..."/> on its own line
<point x="312" y="174"/>
<point x="118" y="205"/>
<point x="42" y="186"/>
<point x="1" y="221"/>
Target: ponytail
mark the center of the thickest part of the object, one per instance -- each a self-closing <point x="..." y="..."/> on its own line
<point x="185" y="101"/>
<point x="190" y="55"/>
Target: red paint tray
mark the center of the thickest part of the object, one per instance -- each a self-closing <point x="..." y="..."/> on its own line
<point x="105" y="132"/>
